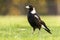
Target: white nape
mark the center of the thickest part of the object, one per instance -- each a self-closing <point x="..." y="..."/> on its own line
<point x="33" y="11"/>
<point x="36" y="16"/>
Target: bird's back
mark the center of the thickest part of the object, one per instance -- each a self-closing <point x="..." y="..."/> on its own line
<point x="32" y="20"/>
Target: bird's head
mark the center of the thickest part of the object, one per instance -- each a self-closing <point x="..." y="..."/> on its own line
<point x="30" y="7"/>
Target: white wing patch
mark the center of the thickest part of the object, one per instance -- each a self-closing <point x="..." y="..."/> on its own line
<point x="36" y="16"/>
<point x="33" y="11"/>
<point x="43" y="27"/>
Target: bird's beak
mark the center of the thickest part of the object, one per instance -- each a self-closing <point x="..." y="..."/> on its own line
<point x="27" y="7"/>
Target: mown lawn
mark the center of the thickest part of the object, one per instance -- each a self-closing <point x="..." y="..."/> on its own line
<point x="18" y="28"/>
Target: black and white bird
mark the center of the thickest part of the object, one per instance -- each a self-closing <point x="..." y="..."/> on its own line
<point x="34" y="19"/>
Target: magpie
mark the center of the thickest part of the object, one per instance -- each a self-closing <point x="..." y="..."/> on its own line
<point x="34" y="19"/>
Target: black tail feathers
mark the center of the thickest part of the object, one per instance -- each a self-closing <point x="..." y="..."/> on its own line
<point x="48" y="31"/>
<point x="45" y="27"/>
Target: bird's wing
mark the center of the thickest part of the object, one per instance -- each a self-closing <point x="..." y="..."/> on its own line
<point x="37" y="19"/>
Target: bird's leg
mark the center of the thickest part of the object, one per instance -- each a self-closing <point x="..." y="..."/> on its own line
<point x="39" y="29"/>
<point x="33" y="30"/>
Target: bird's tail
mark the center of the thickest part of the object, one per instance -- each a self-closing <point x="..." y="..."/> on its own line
<point x="45" y="27"/>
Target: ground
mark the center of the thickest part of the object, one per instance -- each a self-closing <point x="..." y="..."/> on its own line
<point x="18" y="28"/>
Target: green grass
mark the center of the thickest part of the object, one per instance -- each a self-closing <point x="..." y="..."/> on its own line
<point x="18" y="28"/>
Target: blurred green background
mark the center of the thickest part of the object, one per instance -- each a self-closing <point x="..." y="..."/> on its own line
<point x="14" y="24"/>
